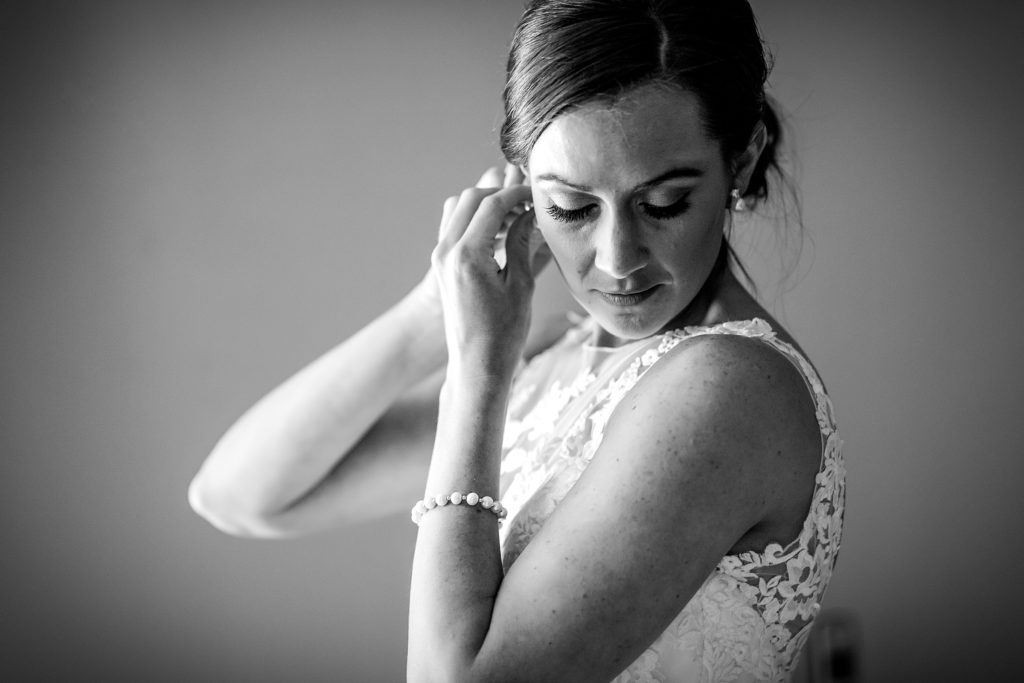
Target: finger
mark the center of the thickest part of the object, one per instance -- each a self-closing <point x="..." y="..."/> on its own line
<point x="513" y="175"/>
<point x="492" y="177"/>
<point x="446" y="214"/>
<point x="491" y="212"/>
<point x="463" y="212"/>
<point x="517" y="244"/>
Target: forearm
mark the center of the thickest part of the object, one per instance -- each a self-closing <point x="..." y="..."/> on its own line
<point x="288" y="442"/>
<point x="457" y="565"/>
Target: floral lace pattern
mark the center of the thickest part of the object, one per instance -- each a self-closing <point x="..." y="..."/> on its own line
<point x="750" y="618"/>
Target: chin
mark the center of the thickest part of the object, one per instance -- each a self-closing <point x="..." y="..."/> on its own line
<point x="630" y="323"/>
<point x="627" y="326"/>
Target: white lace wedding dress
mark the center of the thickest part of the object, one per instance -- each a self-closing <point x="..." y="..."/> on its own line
<point x="750" y="618"/>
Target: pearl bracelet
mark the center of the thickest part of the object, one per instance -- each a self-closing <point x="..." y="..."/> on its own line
<point x="424" y="506"/>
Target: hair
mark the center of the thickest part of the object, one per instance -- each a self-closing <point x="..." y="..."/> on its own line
<point x="566" y="53"/>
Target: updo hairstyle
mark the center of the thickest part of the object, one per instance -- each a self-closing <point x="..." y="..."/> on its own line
<point x="566" y="53"/>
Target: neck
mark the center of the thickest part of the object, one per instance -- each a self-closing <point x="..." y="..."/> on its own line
<point x="708" y="307"/>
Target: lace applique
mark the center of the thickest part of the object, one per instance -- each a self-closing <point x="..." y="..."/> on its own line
<point x="750" y="618"/>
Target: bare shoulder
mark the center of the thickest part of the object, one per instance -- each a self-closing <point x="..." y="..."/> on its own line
<point x="711" y="444"/>
<point x="731" y="371"/>
<point x="735" y="403"/>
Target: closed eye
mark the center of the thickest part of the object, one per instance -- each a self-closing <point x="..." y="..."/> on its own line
<point x="569" y="215"/>
<point x="672" y="210"/>
<point x="656" y="211"/>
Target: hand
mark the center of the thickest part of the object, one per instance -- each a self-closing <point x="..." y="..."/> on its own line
<point x="494" y="177"/>
<point x="511" y="175"/>
<point x="483" y="264"/>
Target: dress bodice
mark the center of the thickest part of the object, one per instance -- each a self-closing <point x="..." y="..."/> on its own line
<point x="751" y="616"/>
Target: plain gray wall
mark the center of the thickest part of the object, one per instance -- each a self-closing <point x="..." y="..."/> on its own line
<point x="197" y="198"/>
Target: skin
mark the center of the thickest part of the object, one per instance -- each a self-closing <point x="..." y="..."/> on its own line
<point x="607" y="162"/>
<point x="715" y="450"/>
<point x="315" y="452"/>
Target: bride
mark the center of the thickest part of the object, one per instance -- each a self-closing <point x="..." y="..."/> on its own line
<point x="652" y="493"/>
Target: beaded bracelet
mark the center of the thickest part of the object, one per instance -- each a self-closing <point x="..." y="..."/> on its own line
<point x="424" y="506"/>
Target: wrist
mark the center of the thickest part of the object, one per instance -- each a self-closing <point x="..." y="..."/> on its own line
<point x="480" y="371"/>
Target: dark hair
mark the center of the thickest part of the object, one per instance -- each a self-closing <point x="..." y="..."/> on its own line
<point x="565" y="53"/>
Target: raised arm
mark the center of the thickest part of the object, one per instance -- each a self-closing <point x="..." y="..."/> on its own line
<point x="317" y="449"/>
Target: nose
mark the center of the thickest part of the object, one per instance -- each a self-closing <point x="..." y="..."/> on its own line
<point x="619" y="249"/>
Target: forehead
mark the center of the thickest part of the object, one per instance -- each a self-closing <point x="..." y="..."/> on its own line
<point x="638" y="136"/>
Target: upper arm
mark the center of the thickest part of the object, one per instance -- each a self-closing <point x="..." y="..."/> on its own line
<point x="700" y="451"/>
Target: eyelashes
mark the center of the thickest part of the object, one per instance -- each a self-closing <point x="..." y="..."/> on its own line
<point x="670" y="211"/>
<point x="568" y="215"/>
<point x="655" y="211"/>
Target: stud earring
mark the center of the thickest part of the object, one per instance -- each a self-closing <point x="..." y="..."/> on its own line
<point x="739" y="204"/>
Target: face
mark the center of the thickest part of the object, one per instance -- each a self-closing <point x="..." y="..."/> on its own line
<point x="631" y="199"/>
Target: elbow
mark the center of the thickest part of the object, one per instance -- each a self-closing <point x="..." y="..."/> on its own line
<point x="217" y="508"/>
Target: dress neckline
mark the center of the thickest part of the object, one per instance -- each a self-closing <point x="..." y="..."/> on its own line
<point x="746" y="327"/>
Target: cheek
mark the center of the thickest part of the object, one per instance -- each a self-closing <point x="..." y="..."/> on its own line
<point x="567" y="252"/>
<point x="703" y="233"/>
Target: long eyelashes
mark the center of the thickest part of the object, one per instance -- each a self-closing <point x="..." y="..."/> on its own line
<point x="568" y="215"/>
<point x="672" y="210"/>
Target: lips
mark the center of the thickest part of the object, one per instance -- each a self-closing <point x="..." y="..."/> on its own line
<point x="629" y="297"/>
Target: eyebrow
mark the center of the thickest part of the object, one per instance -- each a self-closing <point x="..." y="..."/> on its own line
<point x="681" y="172"/>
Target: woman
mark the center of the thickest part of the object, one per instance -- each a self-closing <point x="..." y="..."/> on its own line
<point x="668" y="469"/>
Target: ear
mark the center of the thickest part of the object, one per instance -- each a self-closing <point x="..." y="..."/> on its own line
<point x="744" y="165"/>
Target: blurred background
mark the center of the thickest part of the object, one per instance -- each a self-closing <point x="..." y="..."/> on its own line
<point x="196" y="198"/>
